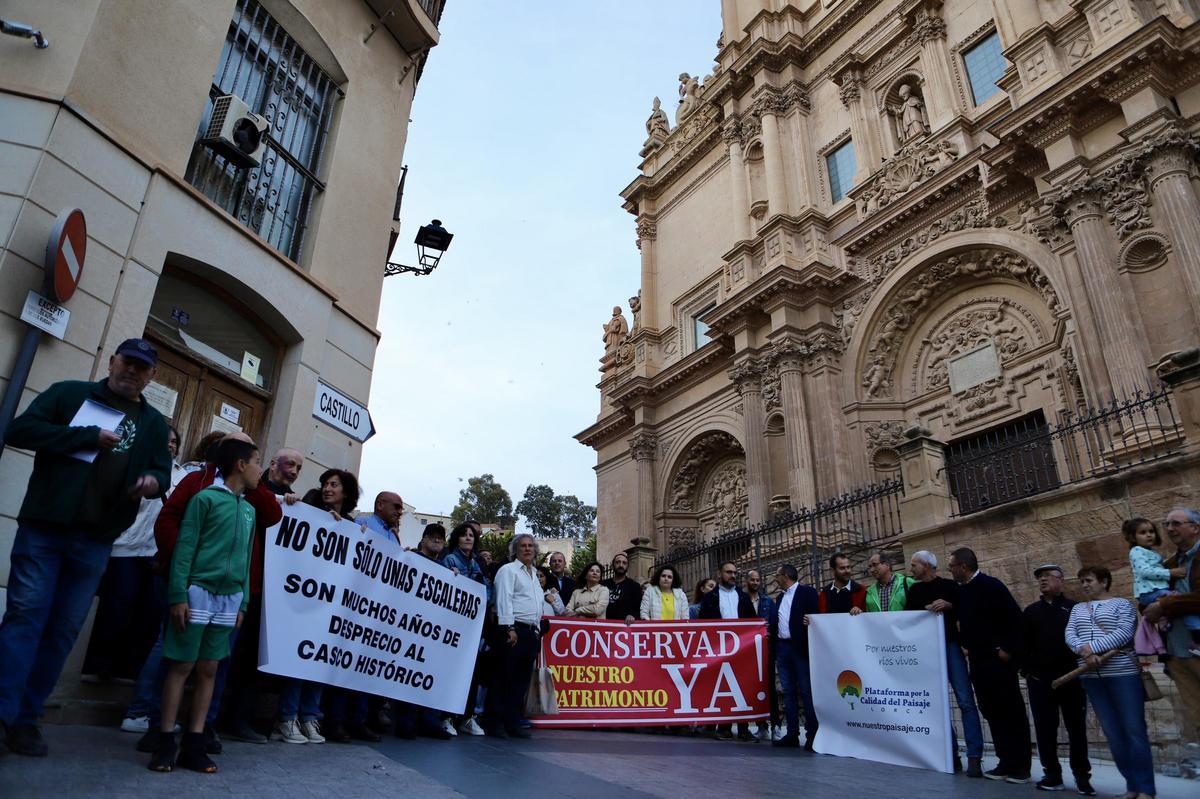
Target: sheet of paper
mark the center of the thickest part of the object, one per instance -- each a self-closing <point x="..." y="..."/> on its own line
<point x="94" y="414"/>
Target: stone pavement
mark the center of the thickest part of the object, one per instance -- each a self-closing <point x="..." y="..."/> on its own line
<point x="101" y="762"/>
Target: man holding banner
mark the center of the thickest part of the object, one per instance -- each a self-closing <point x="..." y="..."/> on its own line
<point x="788" y="635"/>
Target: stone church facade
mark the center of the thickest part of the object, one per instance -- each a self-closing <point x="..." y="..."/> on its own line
<point x="956" y="218"/>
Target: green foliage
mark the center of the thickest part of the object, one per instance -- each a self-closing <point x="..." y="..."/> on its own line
<point x="577" y="519"/>
<point x="484" y="500"/>
<point x="496" y="543"/>
<point x="583" y="556"/>
<point x="541" y="510"/>
<point x="551" y="515"/>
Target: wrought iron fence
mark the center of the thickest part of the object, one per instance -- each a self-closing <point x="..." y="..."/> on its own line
<point x="1029" y="457"/>
<point x="272" y="74"/>
<point x="854" y="524"/>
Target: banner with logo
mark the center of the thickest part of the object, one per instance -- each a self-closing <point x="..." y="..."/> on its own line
<point x="607" y="673"/>
<point x="879" y="685"/>
<point x="350" y="608"/>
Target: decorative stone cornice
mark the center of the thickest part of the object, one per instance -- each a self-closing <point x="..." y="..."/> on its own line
<point x="1079" y="200"/>
<point x="643" y="446"/>
<point x="647" y="228"/>
<point x="1171" y="150"/>
<point x="605" y="429"/>
<point x="927" y="27"/>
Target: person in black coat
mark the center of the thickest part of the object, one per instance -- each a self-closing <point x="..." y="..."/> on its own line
<point x="559" y="579"/>
<point x="711" y="608"/>
<point x="710" y="603"/>
<point x="788" y="637"/>
<point x="992" y="632"/>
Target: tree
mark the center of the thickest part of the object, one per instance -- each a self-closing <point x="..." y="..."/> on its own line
<point x="483" y="500"/>
<point x="542" y="510"/>
<point x="583" y="556"/>
<point x="576" y="519"/>
<point x="496" y="543"/>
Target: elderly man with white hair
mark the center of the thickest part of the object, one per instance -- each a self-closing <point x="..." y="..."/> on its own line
<point x="519" y="598"/>
<point x="940" y="595"/>
<point x="1183" y="528"/>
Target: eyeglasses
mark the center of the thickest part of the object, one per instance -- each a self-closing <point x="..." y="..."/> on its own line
<point x="1173" y="523"/>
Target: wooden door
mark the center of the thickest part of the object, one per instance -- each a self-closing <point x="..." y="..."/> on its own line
<point x="222" y="405"/>
<point x="173" y="393"/>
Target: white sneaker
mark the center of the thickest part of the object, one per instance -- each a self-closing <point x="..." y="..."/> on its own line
<point x="471" y="727"/>
<point x="780" y="732"/>
<point x="312" y="731"/>
<point x="289" y="732"/>
<point x="139" y="724"/>
<point x="448" y="726"/>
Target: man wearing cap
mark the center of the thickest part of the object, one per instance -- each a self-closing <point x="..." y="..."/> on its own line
<point x="87" y="484"/>
<point x="1047" y="657"/>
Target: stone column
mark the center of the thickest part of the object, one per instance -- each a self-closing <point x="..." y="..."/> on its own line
<point x="647" y="232"/>
<point x="1176" y="207"/>
<point x="767" y="107"/>
<point x="1014" y="18"/>
<point x="941" y="101"/>
<point x="643" y="448"/>
<point x="801" y="485"/>
<point x="926" y="502"/>
<point x="1182" y="373"/>
<point x="747" y="375"/>
<point x="739" y="194"/>
<point x="1122" y="340"/>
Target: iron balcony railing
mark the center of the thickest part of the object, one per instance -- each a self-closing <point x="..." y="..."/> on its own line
<point x="1032" y="457"/>
<point x="854" y="524"/>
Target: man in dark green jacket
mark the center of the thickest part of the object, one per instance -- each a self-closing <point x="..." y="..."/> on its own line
<point x="89" y="475"/>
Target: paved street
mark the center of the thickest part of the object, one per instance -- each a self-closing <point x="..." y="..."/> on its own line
<point x="93" y="761"/>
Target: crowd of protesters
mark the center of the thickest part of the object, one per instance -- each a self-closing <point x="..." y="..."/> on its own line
<point x="175" y="553"/>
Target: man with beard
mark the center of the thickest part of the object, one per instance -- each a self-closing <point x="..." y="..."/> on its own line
<point x="624" y="594"/>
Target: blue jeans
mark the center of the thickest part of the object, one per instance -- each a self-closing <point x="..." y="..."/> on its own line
<point x="794" y="677"/>
<point x="300" y="699"/>
<point x="345" y="706"/>
<point x="1119" y="703"/>
<point x="52" y="578"/>
<point x="960" y="682"/>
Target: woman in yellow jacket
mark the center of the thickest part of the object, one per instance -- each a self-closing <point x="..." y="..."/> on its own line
<point x="664" y="600"/>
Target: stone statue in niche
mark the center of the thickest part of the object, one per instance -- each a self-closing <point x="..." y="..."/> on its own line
<point x="658" y="127"/>
<point x="689" y="96"/>
<point x="615" y="332"/>
<point x="635" y="308"/>
<point x="912" y="114"/>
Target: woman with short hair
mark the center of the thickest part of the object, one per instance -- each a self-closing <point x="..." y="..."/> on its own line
<point x="1103" y="625"/>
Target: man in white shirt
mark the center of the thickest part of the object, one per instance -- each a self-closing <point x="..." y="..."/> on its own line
<point x="519" y="599"/>
<point x="727" y="601"/>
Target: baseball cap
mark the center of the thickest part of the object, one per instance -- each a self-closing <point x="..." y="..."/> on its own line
<point x="1047" y="567"/>
<point x="139" y="349"/>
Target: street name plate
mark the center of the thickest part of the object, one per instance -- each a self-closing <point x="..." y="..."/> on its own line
<point x="972" y="368"/>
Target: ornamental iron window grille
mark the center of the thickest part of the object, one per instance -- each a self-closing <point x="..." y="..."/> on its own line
<point x="1029" y="456"/>
<point x="266" y="68"/>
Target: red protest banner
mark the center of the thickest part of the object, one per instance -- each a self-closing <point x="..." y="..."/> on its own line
<point x="607" y="673"/>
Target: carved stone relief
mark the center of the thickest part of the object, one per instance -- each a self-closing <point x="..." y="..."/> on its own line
<point x="911" y="166"/>
<point x="682" y="538"/>
<point x="725" y="494"/>
<point x="914" y="297"/>
<point x="970" y="216"/>
<point x="1009" y="327"/>
<point x="883" y="435"/>
<point x="706" y="450"/>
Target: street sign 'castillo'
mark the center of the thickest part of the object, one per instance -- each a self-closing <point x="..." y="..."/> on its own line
<point x="65" y="250"/>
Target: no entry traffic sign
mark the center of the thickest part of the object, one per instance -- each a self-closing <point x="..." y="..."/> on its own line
<point x="65" y="250"/>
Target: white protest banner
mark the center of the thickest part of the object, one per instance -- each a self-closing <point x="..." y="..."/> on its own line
<point x="879" y="687"/>
<point x="352" y="609"/>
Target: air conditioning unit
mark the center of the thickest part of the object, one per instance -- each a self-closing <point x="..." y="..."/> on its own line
<point x="235" y="132"/>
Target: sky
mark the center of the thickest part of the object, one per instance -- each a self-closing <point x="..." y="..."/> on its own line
<point x="526" y="125"/>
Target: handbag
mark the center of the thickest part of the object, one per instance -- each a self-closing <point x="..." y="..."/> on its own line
<point x="541" y="699"/>
<point x="1150" y="689"/>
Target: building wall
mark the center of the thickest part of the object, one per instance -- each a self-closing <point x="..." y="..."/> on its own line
<point x="105" y="120"/>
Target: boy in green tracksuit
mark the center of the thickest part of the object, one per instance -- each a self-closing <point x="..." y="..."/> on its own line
<point x="208" y="591"/>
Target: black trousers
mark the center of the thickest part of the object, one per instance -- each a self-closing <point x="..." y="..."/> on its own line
<point x="1047" y="704"/>
<point x="243" y="668"/>
<point x="998" y="693"/>
<point x="513" y="669"/>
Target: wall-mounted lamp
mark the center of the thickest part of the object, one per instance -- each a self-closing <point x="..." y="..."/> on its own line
<point x="432" y="240"/>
